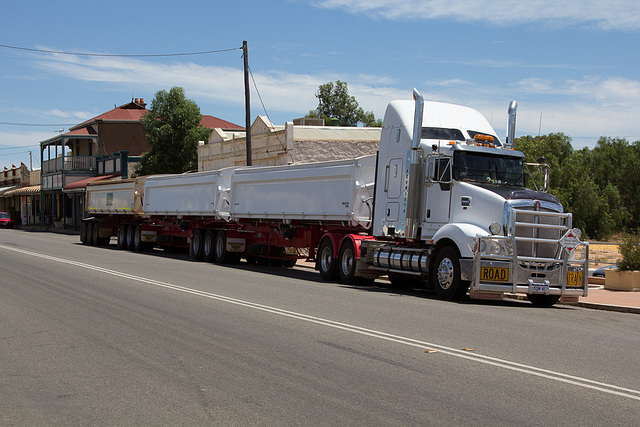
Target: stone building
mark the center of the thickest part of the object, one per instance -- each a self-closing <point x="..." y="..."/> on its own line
<point x="280" y="145"/>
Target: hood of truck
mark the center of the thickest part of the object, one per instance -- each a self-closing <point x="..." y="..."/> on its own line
<point x="511" y="193"/>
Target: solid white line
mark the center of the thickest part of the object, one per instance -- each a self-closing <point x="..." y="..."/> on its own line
<point x="488" y="360"/>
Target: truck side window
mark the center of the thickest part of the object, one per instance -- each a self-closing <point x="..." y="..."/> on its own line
<point x="443" y="169"/>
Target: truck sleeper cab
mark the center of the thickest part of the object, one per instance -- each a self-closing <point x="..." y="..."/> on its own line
<point x="479" y="228"/>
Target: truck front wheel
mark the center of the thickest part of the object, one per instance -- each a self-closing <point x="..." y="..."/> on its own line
<point x="446" y="275"/>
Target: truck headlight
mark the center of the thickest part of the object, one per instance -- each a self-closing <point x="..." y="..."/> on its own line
<point x="489" y="246"/>
<point x="495" y="228"/>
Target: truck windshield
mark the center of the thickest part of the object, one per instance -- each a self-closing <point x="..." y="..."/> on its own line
<point x="488" y="169"/>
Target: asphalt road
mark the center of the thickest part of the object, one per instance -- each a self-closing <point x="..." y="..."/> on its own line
<point x="98" y="336"/>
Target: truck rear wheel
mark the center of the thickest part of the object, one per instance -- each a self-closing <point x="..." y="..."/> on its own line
<point x="195" y="248"/>
<point x="347" y="263"/>
<point x="446" y="275"/>
<point x="326" y="260"/>
<point x="543" y="300"/>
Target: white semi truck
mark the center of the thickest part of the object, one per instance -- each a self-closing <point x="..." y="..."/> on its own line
<point x="443" y="205"/>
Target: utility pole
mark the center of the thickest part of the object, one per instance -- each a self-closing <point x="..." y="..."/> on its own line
<point x="247" y="107"/>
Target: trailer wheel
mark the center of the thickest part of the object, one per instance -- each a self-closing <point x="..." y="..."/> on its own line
<point x="130" y="237"/>
<point x="138" y="246"/>
<point x="83" y="233"/>
<point x="121" y="242"/>
<point x="195" y="248"/>
<point x="543" y="300"/>
<point x="90" y="233"/>
<point x="446" y="275"/>
<point x="95" y="234"/>
<point x="220" y="253"/>
<point x="208" y="245"/>
<point x="326" y="260"/>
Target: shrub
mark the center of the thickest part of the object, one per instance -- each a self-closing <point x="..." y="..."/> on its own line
<point x="630" y="252"/>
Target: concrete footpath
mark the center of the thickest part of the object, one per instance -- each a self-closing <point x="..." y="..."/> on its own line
<point x="605" y="299"/>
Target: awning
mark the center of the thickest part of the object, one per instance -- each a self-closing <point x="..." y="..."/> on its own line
<point x="81" y="186"/>
<point x="4" y="190"/>
<point x="24" y="191"/>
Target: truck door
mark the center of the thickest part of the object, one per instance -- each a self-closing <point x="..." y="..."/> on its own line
<point x="438" y="194"/>
<point x="394" y="182"/>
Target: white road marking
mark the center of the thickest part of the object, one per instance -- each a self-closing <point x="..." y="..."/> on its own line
<point x="464" y="354"/>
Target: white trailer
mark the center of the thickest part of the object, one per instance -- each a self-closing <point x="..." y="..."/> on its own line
<point x="336" y="191"/>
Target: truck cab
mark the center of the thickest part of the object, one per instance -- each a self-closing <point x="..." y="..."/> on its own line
<point x="452" y="209"/>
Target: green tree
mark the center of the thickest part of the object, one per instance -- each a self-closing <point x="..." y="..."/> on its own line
<point x="173" y="130"/>
<point x="572" y="182"/>
<point x="335" y="102"/>
<point x="614" y="168"/>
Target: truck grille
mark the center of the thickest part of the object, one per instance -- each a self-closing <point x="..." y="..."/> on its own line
<point x="541" y="226"/>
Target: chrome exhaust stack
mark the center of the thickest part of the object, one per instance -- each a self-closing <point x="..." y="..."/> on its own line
<point x="414" y="188"/>
<point x="511" y="125"/>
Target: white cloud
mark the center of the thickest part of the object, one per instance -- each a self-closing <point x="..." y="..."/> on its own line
<point x="591" y="106"/>
<point x="75" y="115"/>
<point x="614" y="14"/>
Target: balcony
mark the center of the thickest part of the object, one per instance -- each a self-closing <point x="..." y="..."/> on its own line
<point x="70" y="163"/>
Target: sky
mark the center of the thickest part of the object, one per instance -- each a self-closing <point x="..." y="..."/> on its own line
<point x="572" y="65"/>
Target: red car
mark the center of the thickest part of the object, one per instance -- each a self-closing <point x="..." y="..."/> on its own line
<point x="5" y="220"/>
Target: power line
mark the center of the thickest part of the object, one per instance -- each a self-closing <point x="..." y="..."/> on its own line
<point x="20" y="147"/>
<point x="264" y="108"/>
<point x="57" y="125"/>
<point x="59" y="52"/>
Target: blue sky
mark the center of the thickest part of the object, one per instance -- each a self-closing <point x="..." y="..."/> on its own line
<point x="573" y="66"/>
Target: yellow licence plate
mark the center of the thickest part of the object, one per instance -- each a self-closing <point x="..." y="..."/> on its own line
<point x="574" y="278"/>
<point x="494" y="274"/>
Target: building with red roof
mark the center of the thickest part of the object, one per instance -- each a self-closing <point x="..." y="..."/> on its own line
<point x="103" y="146"/>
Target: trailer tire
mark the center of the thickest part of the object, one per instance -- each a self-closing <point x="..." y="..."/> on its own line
<point x="195" y="247"/>
<point x="95" y="234"/>
<point x="138" y="246"/>
<point x="446" y="275"/>
<point x="221" y="255"/>
<point x="90" y="233"/>
<point x="543" y="300"/>
<point x="208" y="245"/>
<point x="326" y="260"/>
<point x="83" y="233"/>
<point x="130" y="237"/>
<point x="121" y="241"/>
